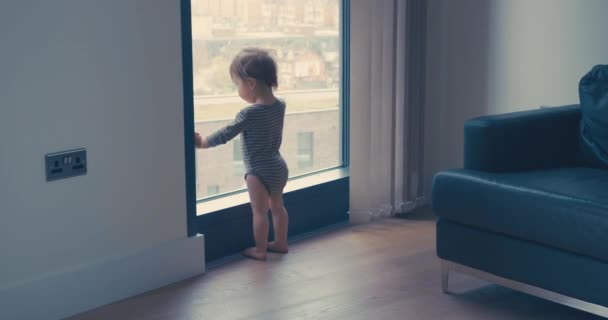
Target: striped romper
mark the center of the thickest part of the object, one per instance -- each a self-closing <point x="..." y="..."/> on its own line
<point x="261" y="127"/>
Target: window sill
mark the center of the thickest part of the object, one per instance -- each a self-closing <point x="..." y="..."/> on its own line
<point x="299" y="183"/>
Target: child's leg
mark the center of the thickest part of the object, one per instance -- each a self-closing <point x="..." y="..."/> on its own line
<point x="280" y="221"/>
<point x="259" y="204"/>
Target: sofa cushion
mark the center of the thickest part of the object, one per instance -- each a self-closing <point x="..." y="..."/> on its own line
<point x="563" y="208"/>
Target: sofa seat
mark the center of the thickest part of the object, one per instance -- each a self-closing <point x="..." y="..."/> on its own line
<point x="564" y="208"/>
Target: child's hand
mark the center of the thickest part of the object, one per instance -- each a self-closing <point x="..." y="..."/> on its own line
<point x="198" y="141"/>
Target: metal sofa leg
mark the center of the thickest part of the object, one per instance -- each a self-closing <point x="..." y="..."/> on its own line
<point x="447" y="266"/>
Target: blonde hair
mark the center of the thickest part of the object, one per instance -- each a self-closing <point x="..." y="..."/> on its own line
<point x="257" y="64"/>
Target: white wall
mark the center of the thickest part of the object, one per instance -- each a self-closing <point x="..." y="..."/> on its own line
<point x="496" y="56"/>
<point x="104" y="75"/>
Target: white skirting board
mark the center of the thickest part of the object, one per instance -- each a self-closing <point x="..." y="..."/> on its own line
<point x="68" y="293"/>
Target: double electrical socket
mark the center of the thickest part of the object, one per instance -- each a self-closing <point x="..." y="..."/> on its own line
<point x="65" y="164"/>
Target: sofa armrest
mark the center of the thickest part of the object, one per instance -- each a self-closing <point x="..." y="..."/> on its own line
<point x="528" y="140"/>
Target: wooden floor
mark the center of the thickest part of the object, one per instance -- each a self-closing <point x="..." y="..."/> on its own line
<point x="383" y="270"/>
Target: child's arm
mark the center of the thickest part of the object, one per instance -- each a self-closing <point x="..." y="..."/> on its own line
<point x="228" y="132"/>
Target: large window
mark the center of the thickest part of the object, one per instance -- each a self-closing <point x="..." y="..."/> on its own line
<point x="304" y="36"/>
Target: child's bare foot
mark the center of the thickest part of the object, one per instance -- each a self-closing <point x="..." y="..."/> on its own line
<point x="253" y="253"/>
<point x="278" y="248"/>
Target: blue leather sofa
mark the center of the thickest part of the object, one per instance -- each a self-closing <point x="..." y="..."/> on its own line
<point x="526" y="212"/>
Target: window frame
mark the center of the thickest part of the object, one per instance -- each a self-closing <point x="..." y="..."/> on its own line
<point x="188" y="112"/>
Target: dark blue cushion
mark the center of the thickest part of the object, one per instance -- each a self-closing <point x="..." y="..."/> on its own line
<point x="564" y="208"/>
<point x="593" y="92"/>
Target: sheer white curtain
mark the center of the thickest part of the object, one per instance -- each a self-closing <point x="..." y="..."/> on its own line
<point x="386" y="106"/>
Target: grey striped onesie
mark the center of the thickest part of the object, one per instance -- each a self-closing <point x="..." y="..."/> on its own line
<point x="262" y="133"/>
